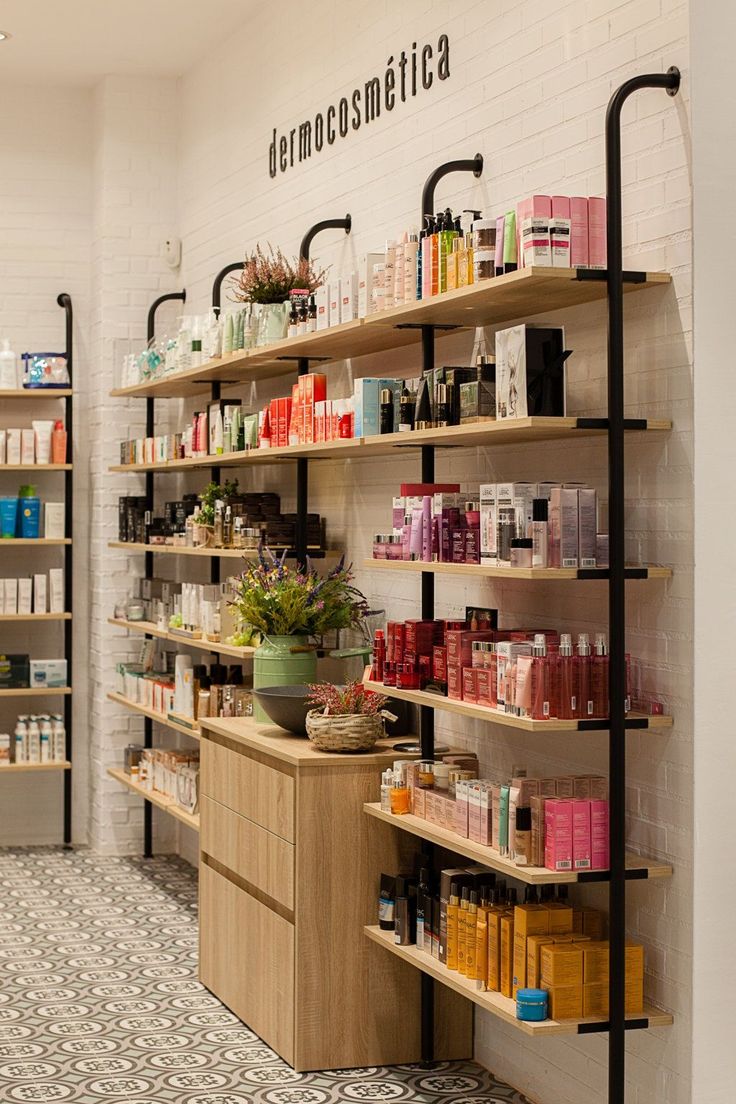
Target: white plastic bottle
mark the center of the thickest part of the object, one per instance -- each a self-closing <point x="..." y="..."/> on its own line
<point x="34" y="741"/>
<point x="46" y="739"/>
<point x="8" y="367"/>
<point x="58" y="749"/>
<point x="21" y="741"/>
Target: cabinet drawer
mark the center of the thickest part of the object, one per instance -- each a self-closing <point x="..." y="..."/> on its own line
<point x="248" y="787"/>
<point x="257" y="856"/>
<point x="246" y="958"/>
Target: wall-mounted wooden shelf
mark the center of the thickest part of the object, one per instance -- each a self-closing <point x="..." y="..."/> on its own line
<point x="35" y="467"/>
<point x="159" y="718"/>
<point x="161" y="801"/>
<point x="508" y="720"/>
<point x="37" y="393"/>
<point x="201" y="553"/>
<point x="35" y="691"/>
<point x="528" y="292"/>
<point x="503" y="1007"/>
<point x="150" y="629"/>
<point x="479" y="435"/>
<point x="34" y="542"/>
<point x="11" y="618"/>
<point x="637" y="867"/>
<point x="23" y="768"/>
<point x="483" y="571"/>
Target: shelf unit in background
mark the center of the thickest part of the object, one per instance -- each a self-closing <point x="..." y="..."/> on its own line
<point x="165" y="719"/>
<point x="149" y="629"/>
<point x="51" y="394"/>
<point x="153" y="797"/>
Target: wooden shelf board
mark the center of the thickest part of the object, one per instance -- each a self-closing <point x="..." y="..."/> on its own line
<point x="636" y="865"/>
<point x="202" y="553"/>
<point x="161" y="801"/>
<point x="503" y="1007"/>
<point x="35" y="467"/>
<point x="484" y="571"/>
<point x="15" y="768"/>
<point x="508" y="720"/>
<point x="13" y="617"/>
<point x="27" y="542"/>
<point x="35" y="691"/>
<point x="528" y="292"/>
<point x="150" y="629"/>
<point x="481" y="434"/>
<point x="37" y="393"/>
<point x="159" y="718"/>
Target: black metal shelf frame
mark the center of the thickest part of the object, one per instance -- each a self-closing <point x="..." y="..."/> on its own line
<point x="64" y="300"/>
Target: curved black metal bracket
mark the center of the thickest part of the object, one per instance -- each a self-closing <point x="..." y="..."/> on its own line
<point x="167" y="298"/>
<point x="326" y="224"/>
<point x="670" y="81"/>
<point x="217" y="283"/>
<point x="64" y="300"/>
<point x="473" y="164"/>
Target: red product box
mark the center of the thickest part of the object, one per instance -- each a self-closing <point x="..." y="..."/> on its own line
<point x="284" y="416"/>
<point x="459" y="650"/>
<point x="581" y="851"/>
<point x="420" y="636"/>
<point x="418" y="490"/>
<point x="439" y="663"/>
<point x="470" y="686"/>
<point x="558" y="830"/>
<point x="454" y="682"/>
<point x="599" y="835"/>
<point x="312" y="390"/>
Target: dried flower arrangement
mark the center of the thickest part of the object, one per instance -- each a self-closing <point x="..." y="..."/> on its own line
<point x="268" y="277"/>
<point x="349" y="701"/>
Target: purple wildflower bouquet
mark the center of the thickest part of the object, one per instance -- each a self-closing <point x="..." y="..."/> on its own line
<point x="268" y="277"/>
<point x="278" y="600"/>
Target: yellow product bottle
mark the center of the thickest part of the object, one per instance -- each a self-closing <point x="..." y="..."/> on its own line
<point x="452" y="916"/>
<point x="471" y="923"/>
<point x="481" y="944"/>
<point x="462" y="929"/>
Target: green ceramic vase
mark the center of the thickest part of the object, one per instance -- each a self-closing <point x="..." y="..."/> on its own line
<point x="275" y="664"/>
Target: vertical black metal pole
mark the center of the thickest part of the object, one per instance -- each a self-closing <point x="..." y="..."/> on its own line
<point x="64" y="300"/>
<point x="617" y="582"/>
<point x="148" y="557"/>
<point x="301" y="547"/>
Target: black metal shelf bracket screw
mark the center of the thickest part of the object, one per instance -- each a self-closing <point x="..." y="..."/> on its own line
<point x="64" y="300"/>
<point x="302" y="367"/>
<point x="171" y="296"/>
<point x="670" y="81"/>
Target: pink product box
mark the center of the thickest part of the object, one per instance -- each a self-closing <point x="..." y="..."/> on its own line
<point x="599" y="835"/>
<point x="579" y="232"/>
<point x="495" y="800"/>
<point x="581" y="845"/>
<point x="533" y="207"/>
<point x="473" y="794"/>
<point x="461" y="809"/>
<point x="558" y="830"/>
<point x="419" y="804"/>
<point x="564" y="527"/>
<point x="429" y="806"/>
<point x="596" y="232"/>
<point x="486" y="814"/>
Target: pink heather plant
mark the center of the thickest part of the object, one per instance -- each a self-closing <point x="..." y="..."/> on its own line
<point x="268" y="277"/>
<point x="346" y="702"/>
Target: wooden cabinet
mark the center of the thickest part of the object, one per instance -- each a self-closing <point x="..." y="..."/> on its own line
<point x="289" y="873"/>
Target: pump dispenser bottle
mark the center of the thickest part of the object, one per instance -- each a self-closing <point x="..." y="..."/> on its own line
<point x="582" y="677"/>
<point x="540" y="679"/>
<point x="599" y="677"/>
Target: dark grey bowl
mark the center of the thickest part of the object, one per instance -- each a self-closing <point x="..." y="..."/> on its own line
<point x="286" y="706"/>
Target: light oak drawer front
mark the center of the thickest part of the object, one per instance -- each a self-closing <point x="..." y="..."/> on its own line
<point x="259" y="857"/>
<point x="246" y="958"/>
<point x="248" y="787"/>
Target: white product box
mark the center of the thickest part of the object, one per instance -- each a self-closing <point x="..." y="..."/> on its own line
<point x="48" y="672"/>
<point x="521" y="496"/>
<point x="560" y="230"/>
<point x="10" y="590"/>
<point x="366" y="302"/>
<point x="53" y="513"/>
<point x="13" y="446"/>
<point x="349" y="297"/>
<point x="25" y="595"/>
<point x="535" y="235"/>
<point x="322" y="304"/>
<point x="39" y="594"/>
<point x="27" y="446"/>
<point x="56" y="590"/>
<point x="334" y="303"/>
<point x="488" y="529"/>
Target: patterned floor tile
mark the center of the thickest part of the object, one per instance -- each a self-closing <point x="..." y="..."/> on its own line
<point x="100" y="1002"/>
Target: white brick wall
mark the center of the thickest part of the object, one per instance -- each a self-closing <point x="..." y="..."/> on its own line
<point x="44" y="249"/>
<point x="528" y="88"/>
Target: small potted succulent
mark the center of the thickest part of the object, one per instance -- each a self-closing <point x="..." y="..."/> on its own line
<point x="346" y="718"/>
<point x="267" y="280"/>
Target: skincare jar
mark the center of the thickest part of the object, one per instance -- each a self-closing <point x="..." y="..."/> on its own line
<point x="531" y="1005"/>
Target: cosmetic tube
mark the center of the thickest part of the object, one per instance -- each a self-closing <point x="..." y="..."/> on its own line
<point x="42" y="431"/>
<point x="405" y="914"/>
<point x="500" y="233"/>
<point x="523" y="836"/>
<point x="581" y="677"/>
<point x="599" y="677"/>
<point x="540" y="548"/>
<point x="415" y="538"/>
<point x="58" y="444"/>
<point x="503" y="821"/>
<point x="510" y="260"/>
<point x="540" y="679"/>
<point x="423" y="912"/>
<point x="387" y="903"/>
<point x="523" y="692"/>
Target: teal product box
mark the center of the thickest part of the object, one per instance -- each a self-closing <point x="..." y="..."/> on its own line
<point x="367" y="404"/>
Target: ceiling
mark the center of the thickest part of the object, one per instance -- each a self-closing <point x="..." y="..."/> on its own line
<point x="76" y="42"/>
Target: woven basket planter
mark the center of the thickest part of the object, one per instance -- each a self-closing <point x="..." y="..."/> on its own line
<point x="354" y="732"/>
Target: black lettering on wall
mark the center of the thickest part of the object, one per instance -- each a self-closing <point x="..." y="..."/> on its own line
<point x="443" y="66"/>
<point x="305" y="141"/>
<point x="356" y="109"/>
<point x="331" y="125"/>
<point x="372" y="106"/>
<point x="427" y="77"/>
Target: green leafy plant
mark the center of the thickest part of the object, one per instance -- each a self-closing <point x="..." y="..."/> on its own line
<point x="278" y="600"/>
<point x="268" y="277"/>
<point x="345" y="701"/>
<point x="213" y="493"/>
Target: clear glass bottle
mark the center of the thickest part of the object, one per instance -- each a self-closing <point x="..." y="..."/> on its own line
<point x="565" y="670"/>
<point x="219" y="523"/>
<point x="599" y="677"/>
<point x="581" y="678"/>
<point x="540" y="679"/>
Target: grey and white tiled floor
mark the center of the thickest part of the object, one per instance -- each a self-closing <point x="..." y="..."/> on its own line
<point x="99" y="1001"/>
